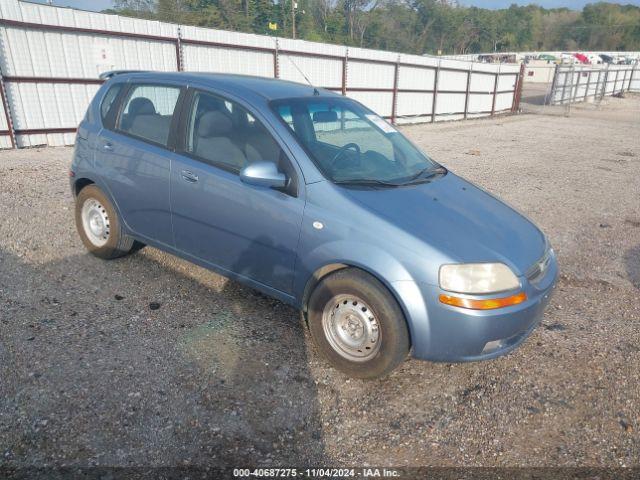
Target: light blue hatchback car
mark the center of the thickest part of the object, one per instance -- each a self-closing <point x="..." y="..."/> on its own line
<point x="313" y="199"/>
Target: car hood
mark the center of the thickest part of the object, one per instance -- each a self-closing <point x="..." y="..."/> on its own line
<point x="459" y="219"/>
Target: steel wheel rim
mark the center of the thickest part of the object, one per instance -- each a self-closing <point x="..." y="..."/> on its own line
<point x="95" y="222"/>
<point x="351" y="328"/>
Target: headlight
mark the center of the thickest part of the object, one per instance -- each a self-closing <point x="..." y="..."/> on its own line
<point x="477" y="278"/>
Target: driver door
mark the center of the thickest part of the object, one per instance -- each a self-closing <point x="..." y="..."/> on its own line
<point x="248" y="230"/>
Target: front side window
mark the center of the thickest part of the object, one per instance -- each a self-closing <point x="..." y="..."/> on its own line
<point x="148" y="112"/>
<point x="351" y="144"/>
<point x="225" y="134"/>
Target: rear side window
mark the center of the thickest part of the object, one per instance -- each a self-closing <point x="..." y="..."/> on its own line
<point x="107" y="101"/>
<point x="148" y="112"/>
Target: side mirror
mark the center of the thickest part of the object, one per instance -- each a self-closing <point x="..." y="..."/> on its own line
<point x="263" y="174"/>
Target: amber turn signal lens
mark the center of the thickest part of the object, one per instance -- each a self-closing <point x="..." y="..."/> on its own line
<point x="486" y="304"/>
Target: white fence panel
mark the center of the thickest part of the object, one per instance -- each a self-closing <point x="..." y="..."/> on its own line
<point x="507" y="81"/>
<point x="635" y="79"/>
<point x="450" y="103"/>
<point x="51" y="57"/>
<point x="482" y="82"/>
<point x="414" y="104"/>
<point x="321" y="72"/>
<point x="70" y="55"/>
<point x="198" y="58"/>
<point x="369" y="75"/>
<point x="417" y="78"/>
<point x="452" y="81"/>
<point x="503" y="101"/>
<point x="480" y="103"/>
<point x="379" y="103"/>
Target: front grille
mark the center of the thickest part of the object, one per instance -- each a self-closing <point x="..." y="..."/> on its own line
<point x="537" y="271"/>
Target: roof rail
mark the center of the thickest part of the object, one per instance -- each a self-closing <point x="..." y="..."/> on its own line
<point x="113" y="73"/>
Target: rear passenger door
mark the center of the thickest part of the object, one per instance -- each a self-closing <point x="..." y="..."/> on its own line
<point x="249" y="230"/>
<point x="134" y="155"/>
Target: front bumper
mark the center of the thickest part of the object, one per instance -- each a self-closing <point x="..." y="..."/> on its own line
<point x="445" y="333"/>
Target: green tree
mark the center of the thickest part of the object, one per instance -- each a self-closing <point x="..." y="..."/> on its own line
<point x="412" y="26"/>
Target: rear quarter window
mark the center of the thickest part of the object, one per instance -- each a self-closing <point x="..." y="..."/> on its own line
<point x="108" y="101"/>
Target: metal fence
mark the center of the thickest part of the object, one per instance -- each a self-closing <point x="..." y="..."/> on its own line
<point x="50" y="59"/>
<point x="572" y="84"/>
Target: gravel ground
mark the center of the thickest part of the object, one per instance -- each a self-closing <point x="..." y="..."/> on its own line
<point x="91" y="374"/>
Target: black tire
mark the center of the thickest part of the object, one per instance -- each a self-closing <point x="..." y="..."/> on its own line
<point x="394" y="336"/>
<point x="117" y="244"/>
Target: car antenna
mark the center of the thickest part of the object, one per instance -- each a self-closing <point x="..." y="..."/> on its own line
<point x="315" y="90"/>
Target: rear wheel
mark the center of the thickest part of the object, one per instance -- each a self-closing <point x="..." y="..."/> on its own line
<point x="99" y="226"/>
<point x="357" y="324"/>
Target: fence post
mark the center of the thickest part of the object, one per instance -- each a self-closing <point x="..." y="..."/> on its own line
<point x="495" y="92"/>
<point x="434" y="102"/>
<point x="517" y="94"/>
<point x="345" y="61"/>
<point x="633" y="71"/>
<point x="574" y="93"/>
<point x="624" y="80"/>
<point x="586" y="90"/>
<point x="276" y="61"/>
<point x="595" y="90"/>
<point x="604" y="83"/>
<point x="466" y="98"/>
<point x="554" y="84"/>
<point x="7" y="113"/>
<point x="394" y="97"/>
<point x="615" y="82"/>
<point x="179" y="50"/>
<point x="567" y="111"/>
<point x="564" y="86"/>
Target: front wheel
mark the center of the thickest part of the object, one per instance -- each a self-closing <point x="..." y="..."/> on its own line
<point x="357" y="324"/>
<point x="99" y="226"/>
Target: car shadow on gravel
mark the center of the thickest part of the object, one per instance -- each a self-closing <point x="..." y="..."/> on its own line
<point x="149" y="361"/>
<point x="632" y="263"/>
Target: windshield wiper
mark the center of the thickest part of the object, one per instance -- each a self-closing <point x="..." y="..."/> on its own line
<point x="422" y="175"/>
<point x="366" y="182"/>
<point x="425" y="174"/>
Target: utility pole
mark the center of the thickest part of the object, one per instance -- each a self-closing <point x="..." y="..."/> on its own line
<point x="293" y="18"/>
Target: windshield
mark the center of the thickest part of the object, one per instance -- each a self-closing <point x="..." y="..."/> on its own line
<point x="351" y="144"/>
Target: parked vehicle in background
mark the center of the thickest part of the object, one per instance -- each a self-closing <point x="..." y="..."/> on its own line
<point x="606" y="58"/>
<point x="582" y="58"/>
<point x="593" y="58"/>
<point x="568" y="58"/>
<point x="313" y="199"/>
<point x="548" y="57"/>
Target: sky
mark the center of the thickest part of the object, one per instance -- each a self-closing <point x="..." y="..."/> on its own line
<point x="98" y="5"/>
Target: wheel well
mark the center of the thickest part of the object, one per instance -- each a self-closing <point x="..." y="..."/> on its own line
<point x="322" y="272"/>
<point x="80" y="184"/>
<point x="315" y="279"/>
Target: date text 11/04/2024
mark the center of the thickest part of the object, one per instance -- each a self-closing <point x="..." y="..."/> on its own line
<point x="317" y="473"/>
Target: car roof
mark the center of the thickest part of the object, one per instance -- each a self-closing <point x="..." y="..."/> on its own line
<point x="269" y="88"/>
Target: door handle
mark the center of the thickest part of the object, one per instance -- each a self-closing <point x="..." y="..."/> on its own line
<point x="108" y="147"/>
<point x="187" y="176"/>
